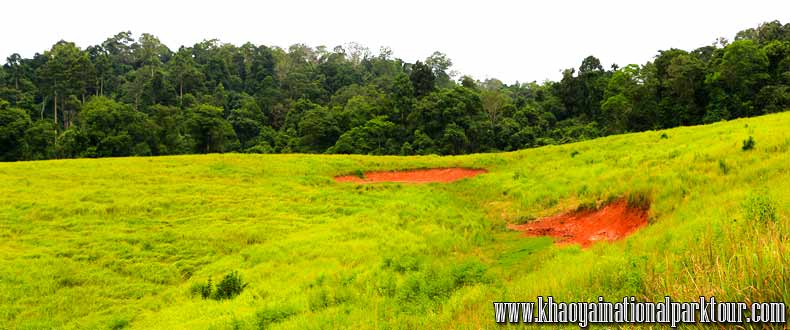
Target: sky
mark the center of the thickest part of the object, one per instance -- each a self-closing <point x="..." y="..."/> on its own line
<point x="509" y="40"/>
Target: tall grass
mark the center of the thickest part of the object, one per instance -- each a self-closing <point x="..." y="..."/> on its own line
<point x="121" y="243"/>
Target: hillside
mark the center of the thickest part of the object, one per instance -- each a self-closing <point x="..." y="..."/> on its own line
<point x="131" y="95"/>
<point x="122" y="242"/>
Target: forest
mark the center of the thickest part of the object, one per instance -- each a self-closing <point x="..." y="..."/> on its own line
<point x="137" y="97"/>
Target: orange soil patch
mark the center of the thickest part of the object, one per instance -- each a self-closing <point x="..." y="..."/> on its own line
<point x="586" y="227"/>
<point x="414" y="176"/>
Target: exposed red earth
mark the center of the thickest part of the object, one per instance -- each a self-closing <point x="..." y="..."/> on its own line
<point x="612" y="222"/>
<point x="414" y="176"/>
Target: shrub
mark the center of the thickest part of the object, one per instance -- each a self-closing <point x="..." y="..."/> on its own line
<point x="574" y="153"/>
<point x="664" y="136"/>
<point x="748" y="144"/>
<point x="469" y="273"/>
<point x="759" y="207"/>
<point x="403" y="263"/>
<point x="360" y="174"/>
<point x="230" y="287"/>
<point x="202" y="289"/>
<point x="325" y="297"/>
<point x="260" y="148"/>
<point x="723" y="167"/>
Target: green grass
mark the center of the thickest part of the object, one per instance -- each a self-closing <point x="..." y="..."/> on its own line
<point x="120" y="243"/>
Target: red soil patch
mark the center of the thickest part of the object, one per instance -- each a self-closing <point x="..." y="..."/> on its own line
<point x="586" y="227"/>
<point x="414" y="176"/>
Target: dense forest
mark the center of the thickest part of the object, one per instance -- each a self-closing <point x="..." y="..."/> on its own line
<point x="137" y="97"/>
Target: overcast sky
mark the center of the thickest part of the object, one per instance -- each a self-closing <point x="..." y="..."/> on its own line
<point x="509" y="40"/>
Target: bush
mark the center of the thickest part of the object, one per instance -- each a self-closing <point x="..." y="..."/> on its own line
<point x="202" y="289"/>
<point x="230" y="287"/>
<point x="260" y="148"/>
<point x="723" y="167"/>
<point x="469" y="273"/>
<point x="748" y="144"/>
<point x="759" y="207"/>
<point x="664" y="136"/>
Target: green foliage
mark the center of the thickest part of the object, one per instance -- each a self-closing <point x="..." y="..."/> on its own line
<point x="14" y="123"/>
<point x="260" y="148"/>
<point x="270" y="316"/>
<point x="211" y="132"/>
<point x="204" y="290"/>
<point x="373" y="138"/>
<point x="229" y="287"/>
<point x="748" y="144"/>
<point x="723" y="167"/>
<point x="131" y="242"/>
<point x="133" y="96"/>
<point x="758" y="207"/>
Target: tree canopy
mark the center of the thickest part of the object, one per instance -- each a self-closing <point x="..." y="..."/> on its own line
<point x="135" y="96"/>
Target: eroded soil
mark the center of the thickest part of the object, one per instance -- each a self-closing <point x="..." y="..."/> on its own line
<point x="610" y="223"/>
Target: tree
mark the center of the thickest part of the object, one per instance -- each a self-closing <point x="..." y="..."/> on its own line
<point x="102" y="63"/>
<point x="247" y="121"/>
<point x="318" y="129"/>
<point x="422" y="79"/>
<point x="67" y="72"/>
<point x="212" y="133"/>
<point x="494" y="103"/>
<point x="217" y="97"/>
<point x="684" y="91"/>
<point x="13" y="124"/>
<point x="440" y="64"/>
<point x="741" y="73"/>
<point x="184" y="71"/>
<point x="150" y="52"/>
<point x="14" y="67"/>
<point x="402" y="98"/>
<point x="373" y="138"/>
<point x="114" y="129"/>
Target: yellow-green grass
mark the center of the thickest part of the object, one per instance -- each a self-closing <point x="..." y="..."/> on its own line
<point x="118" y="243"/>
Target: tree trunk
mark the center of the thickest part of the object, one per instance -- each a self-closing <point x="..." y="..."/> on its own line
<point x="63" y="113"/>
<point x="43" y="104"/>
<point x="55" y="110"/>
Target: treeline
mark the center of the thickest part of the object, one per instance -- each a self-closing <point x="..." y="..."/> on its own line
<point x="137" y="97"/>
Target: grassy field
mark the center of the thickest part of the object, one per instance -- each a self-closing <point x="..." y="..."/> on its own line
<point x="120" y="243"/>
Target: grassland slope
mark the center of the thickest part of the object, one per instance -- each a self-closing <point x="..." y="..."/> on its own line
<point x="120" y="243"/>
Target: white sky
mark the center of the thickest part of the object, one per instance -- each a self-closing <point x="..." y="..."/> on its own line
<point x="509" y="40"/>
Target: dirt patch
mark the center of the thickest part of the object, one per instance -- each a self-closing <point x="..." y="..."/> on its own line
<point x="610" y="223"/>
<point x="414" y="176"/>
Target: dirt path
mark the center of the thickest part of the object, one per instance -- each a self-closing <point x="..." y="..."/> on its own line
<point x="414" y="176"/>
<point x="612" y="222"/>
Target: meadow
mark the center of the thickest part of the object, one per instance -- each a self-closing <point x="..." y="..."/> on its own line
<point x="123" y="242"/>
